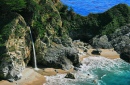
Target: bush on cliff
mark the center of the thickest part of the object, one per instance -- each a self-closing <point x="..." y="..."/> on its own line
<point x="12" y="5"/>
<point x="93" y="24"/>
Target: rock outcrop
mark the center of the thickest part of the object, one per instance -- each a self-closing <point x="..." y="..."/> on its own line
<point x="101" y="42"/>
<point x="53" y="28"/>
<point x="14" y="48"/>
<point x="70" y="75"/>
<point x="58" y="57"/>
<point x="119" y="40"/>
<point x="54" y="47"/>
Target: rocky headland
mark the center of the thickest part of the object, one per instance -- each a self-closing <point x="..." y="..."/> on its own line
<point x="60" y="36"/>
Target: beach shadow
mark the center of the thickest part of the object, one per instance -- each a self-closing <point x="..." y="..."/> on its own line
<point x="125" y="57"/>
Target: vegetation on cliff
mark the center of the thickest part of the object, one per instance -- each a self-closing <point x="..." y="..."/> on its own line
<point x="52" y="26"/>
<point x="39" y="14"/>
<point x="12" y="5"/>
<point x="85" y="28"/>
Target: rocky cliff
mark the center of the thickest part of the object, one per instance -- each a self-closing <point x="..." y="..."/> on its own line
<point x="119" y="40"/>
<point x="54" y="48"/>
<point x="14" y="47"/>
<point x="54" y="27"/>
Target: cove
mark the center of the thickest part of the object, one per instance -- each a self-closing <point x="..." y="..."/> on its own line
<point x="102" y="71"/>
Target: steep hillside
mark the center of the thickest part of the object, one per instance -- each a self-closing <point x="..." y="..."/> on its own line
<point x="53" y="46"/>
<point x="119" y="40"/>
<point x="53" y="27"/>
<point x="85" y="28"/>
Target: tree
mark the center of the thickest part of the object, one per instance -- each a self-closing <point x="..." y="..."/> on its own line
<point x="12" y="5"/>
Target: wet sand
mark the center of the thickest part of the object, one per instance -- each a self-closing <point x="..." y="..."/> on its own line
<point x="33" y="77"/>
<point x="108" y="53"/>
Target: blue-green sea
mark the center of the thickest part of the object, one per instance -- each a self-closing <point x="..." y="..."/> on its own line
<point x="96" y="71"/>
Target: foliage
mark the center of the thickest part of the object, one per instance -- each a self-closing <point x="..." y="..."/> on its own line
<point x="39" y="29"/>
<point x="12" y="5"/>
<point x="41" y="15"/>
<point x="93" y="24"/>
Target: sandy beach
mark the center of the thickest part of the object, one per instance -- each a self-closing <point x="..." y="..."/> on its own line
<point x="108" y="53"/>
<point x="36" y="77"/>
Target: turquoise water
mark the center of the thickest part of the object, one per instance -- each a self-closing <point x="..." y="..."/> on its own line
<point x="84" y="7"/>
<point x="102" y="71"/>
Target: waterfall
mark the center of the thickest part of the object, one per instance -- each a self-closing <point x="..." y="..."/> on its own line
<point x="34" y="53"/>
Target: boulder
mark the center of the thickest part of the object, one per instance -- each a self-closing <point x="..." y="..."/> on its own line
<point x="119" y="40"/>
<point x="101" y="42"/>
<point x="97" y="52"/>
<point x="58" y="57"/>
<point x="70" y="75"/>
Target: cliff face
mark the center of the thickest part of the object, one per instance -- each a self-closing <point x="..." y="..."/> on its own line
<point x="53" y="28"/>
<point x="52" y="43"/>
<point x="53" y="46"/>
<point x="14" y="48"/>
<point x="119" y="40"/>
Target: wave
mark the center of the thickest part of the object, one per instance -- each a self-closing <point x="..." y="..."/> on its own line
<point x="96" y="71"/>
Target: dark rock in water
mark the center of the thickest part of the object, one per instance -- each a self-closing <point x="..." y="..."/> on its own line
<point x="69" y="75"/>
<point x="97" y="52"/>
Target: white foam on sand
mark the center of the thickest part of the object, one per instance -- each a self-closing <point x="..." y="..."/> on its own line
<point x="88" y="71"/>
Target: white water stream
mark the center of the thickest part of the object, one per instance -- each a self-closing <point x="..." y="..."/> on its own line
<point x="34" y="53"/>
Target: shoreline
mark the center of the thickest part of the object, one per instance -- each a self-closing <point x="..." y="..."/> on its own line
<point x="107" y="53"/>
<point x="33" y="77"/>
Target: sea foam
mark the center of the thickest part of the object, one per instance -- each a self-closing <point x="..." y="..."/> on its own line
<point x="95" y="71"/>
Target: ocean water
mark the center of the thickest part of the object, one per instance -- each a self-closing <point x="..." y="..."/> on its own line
<point x="96" y="71"/>
<point x="84" y="7"/>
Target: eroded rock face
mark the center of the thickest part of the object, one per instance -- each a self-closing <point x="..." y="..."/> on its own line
<point x="56" y="56"/>
<point x="101" y="42"/>
<point x="119" y="40"/>
<point x="15" y="49"/>
<point x="54" y="48"/>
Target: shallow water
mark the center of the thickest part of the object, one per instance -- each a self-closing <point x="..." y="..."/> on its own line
<point x="84" y="7"/>
<point x="102" y="71"/>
